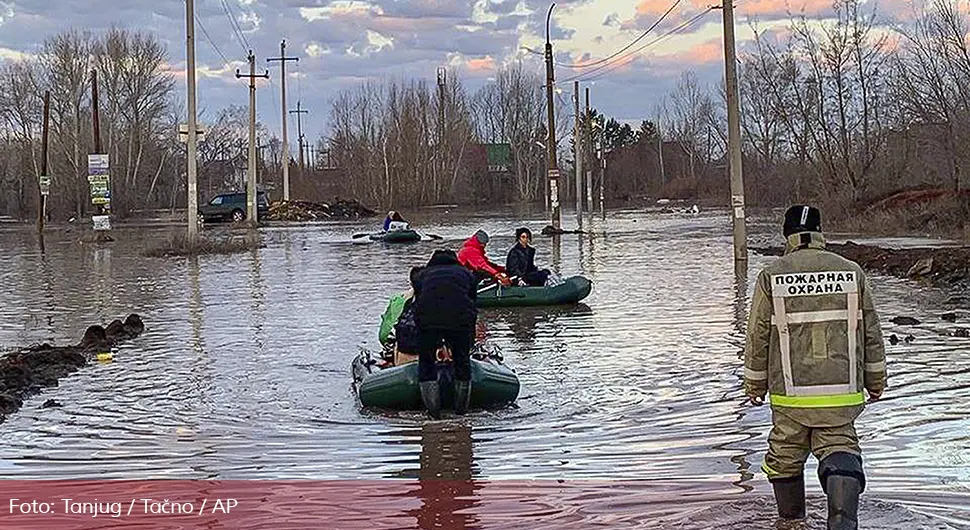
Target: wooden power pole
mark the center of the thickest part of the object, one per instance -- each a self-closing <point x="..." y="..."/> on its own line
<point x="45" y="179"/>
<point x="299" y="127"/>
<point x="553" y="173"/>
<point x="734" y="134"/>
<point x="251" y="211"/>
<point x="192" y="127"/>
<point x="286" y="150"/>
<point x="578" y="153"/>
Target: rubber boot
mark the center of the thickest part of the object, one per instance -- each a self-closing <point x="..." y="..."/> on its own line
<point x="843" y="495"/>
<point x="431" y="397"/>
<point x="463" y="396"/>
<point x="790" y="497"/>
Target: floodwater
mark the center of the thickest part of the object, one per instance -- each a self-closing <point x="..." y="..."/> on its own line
<point x="243" y="372"/>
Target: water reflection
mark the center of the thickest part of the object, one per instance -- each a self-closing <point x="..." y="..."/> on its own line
<point x="642" y="381"/>
<point x="446" y="487"/>
<point x="258" y="294"/>
<point x="103" y="289"/>
<point x="556" y="260"/>
<point x="195" y="304"/>
<point x="524" y="321"/>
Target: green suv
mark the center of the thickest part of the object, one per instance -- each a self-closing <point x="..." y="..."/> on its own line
<point x="232" y="207"/>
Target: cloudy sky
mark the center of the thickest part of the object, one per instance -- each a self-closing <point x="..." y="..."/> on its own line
<point x="343" y="42"/>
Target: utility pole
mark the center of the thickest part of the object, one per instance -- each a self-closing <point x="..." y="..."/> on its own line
<point x="99" y="167"/>
<point x="589" y="171"/>
<point x="286" y="151"/>
<point x="602" y="156"/>
<point x="442" y="84"/>
<point x="299" y="128"/>
<point x="94" y="111"/>
<point x="734" y="134"/>
<point x="553" y="174"/>
<point x="251" y="211"/>
<point x="191" y="138"/>
<point x="578" y="153"/>
<point x="45" y="179"/>
<point x="660" y="152"/>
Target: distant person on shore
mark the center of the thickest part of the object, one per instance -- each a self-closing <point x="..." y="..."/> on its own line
<point x="394" y="221"/>
<point x="445" y="312"/>
<point x="814" y="345"/>
<point x="472" y="255"/>
<point x="521" y="261"/>
<point x="398" y="330"/>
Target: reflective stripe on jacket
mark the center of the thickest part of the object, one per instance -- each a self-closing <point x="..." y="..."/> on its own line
<point x="813" y="339"/>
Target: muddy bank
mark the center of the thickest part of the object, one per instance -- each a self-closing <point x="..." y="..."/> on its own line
<point x="27" y="371"/>
<point x="940" y="266"/>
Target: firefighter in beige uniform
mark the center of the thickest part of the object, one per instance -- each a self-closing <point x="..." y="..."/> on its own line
<point x="814" y="344"/>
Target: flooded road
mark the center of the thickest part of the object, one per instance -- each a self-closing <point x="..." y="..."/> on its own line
<point x="243" y="372"/>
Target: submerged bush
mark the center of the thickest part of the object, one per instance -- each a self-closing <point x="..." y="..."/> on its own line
<point x="179" y="244"/>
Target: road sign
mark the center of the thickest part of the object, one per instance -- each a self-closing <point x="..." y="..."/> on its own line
<point x="553" y="174"/>
<point x="45" y="184"/>
<point x="99" y="179"/>
<point x="101" y="222"/>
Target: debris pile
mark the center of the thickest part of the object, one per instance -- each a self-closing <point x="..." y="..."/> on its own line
<point x="301" y="211"/>
<point x="25" y="372"/>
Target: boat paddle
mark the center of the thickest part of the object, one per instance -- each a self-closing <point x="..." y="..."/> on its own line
<point x="493" y="285"/>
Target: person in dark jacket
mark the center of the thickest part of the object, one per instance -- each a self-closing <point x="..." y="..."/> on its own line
<point x="521" y="261"/>
<point x="444" y="310"/>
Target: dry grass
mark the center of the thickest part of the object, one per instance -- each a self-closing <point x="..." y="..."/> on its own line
<point x="178" y="244"/>
<point x="936" y="213"/>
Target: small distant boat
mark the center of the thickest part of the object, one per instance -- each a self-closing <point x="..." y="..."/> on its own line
<point x="397" y="236"/>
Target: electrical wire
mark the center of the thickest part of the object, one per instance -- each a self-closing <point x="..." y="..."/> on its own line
<point x="212" y="43"/>
<point x="241" y="38"/>
<point x="625" y="48"/>
<point x="623" y="61"/>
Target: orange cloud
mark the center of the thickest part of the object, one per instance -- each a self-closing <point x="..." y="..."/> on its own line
<point x="484" y="64"/>
<point x="711" y="51"/>
<point x="652" y="7"/>
<point x="774" y="8"/>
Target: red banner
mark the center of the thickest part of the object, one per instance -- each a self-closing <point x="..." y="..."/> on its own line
<point x="341" y="504"/>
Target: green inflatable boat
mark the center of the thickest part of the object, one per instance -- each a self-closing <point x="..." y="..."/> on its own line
<point x="397" y="236"/>
<point x="570" y="291"/>
<point x="493" y="383"/>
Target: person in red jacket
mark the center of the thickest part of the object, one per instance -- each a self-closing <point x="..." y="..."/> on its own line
<point x="472" y="255"/>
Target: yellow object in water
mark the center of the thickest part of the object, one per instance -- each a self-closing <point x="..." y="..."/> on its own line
<point x="105" y="357"/>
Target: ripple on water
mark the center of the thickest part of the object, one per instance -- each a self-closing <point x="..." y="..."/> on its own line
<point x="243" y="371"/>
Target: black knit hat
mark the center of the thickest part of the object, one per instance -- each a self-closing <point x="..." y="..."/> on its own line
<point x="802" y="218"/>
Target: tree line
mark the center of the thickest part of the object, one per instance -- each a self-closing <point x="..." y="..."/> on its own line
<point x="844" y="108"/>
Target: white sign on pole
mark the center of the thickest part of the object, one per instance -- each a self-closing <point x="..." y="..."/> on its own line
<point x="101" y="222"/>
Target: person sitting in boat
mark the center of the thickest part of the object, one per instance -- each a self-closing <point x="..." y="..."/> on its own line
<point x="394" y="222"/>
<point x="399" y="331"/>
<point x="521" y="261"/>
<point x="444" y="308"/>
<point x="472" y="255"/>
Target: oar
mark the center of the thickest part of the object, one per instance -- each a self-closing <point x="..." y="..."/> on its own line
<point x="435" y="237"/>
<point x="496" y="284"/>
<point x="361" y="234"/>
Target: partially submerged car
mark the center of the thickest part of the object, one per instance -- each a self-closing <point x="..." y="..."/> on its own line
<point x="231" y="207"/>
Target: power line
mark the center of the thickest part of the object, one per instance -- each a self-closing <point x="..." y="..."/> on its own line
<point x="235" y="28"/>
<point x="628" y="46"/>
<point x="210" y="41"/>
<point x="600" y="71"/>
